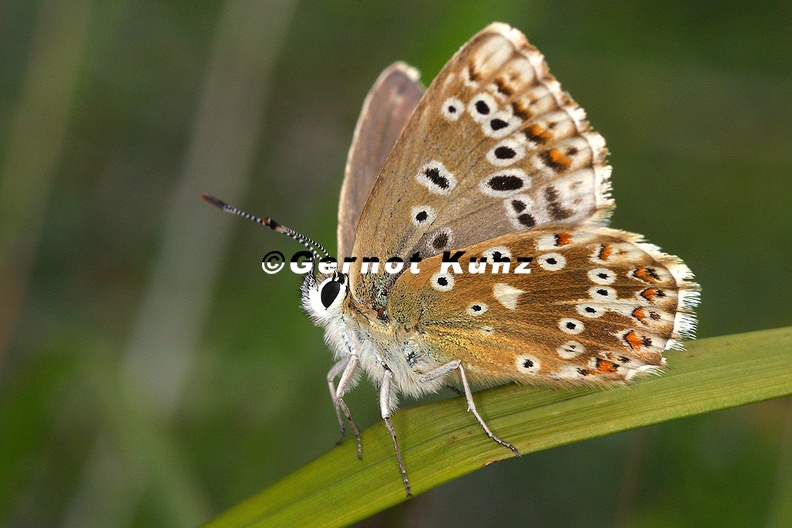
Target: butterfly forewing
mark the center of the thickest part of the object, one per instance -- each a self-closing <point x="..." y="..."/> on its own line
<point x="596" y="305"/>
<point x="494" y="146"/>
<point x="388" y="106"/>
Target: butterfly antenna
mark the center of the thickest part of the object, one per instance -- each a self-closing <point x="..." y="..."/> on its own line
<point x="272" y="224"/>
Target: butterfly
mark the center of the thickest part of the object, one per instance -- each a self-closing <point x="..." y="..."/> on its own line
<point x="493" y="164"/>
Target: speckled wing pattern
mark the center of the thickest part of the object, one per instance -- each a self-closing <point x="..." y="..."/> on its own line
<point x="597" y="305"/>
<point x="494" y="146"/>
<point x="388" y="106"/>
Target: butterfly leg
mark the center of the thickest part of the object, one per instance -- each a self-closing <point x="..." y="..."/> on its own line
<point x="385" y="409"/>
<point x="442" y="370"/>
<point x="346" y="368"/>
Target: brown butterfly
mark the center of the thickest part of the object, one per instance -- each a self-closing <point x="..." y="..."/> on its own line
<point x="495" y="186"/>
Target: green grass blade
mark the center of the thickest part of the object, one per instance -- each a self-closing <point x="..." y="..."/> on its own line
<point x="441" y="441"/>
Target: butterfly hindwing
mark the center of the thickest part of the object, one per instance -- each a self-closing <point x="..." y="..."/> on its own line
<point x="494" y="146"/>
<point x="597" y="305"/>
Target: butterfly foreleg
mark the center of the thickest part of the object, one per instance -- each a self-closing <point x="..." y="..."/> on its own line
<point x="346" y="369"/>
<point x="385" y="409"/>
<point x="444" y="369"/>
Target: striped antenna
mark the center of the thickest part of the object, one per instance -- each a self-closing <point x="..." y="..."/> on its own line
<point x="272" y="224"/>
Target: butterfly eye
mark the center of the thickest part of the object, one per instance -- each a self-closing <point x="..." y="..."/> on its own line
<point x="329" y="292"/>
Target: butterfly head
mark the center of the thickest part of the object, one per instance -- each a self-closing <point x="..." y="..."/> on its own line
<point x="323" y="296"/>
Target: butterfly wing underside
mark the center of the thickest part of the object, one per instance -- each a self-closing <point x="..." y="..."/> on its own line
<point x="388" y="106"/>
<point x="494" y="146"/>
<point x="597" y="305"/>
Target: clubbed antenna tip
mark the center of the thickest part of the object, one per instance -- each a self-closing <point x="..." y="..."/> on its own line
<point x="208" y="198"/>
<point x="269" y="222"/>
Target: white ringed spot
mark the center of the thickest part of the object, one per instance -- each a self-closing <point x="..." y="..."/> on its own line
<point x="497" y="253"/>
<point x="590" y="310"/>
<point x="528" y="364"/>
<point x="602" y="276"/>
<point x="423" y="215"/>
<point x="453" y="108"/>
<point x="440" y="240"/>
<point x="570" y="349"/>
<point x="442" y="282"/>
<point x="481" y="107"/>
<point x="572" y="372"/>
<point x="500" y="124"/>
<point x="602" y="293"/>
<point x="570" y="326"/>
<point x="506" y="152"/>
<point x="505" y="183"/>
<point x="435" y="177"/>
<point x="552" y="261"/>
<point x="477" y="308"/>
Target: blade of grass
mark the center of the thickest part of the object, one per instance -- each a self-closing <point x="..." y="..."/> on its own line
<point x="441" y="441"/>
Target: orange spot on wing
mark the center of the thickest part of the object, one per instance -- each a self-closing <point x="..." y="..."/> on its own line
<point x="522" y="110"/>
<point x="640" y="314"/>
<point x="562" y="239"/>
<point x="633" y="340"/>
<point x="605" y="252"/>
<point x="651" y="294"/>
<point x="556" y="159"/>
<point x="646" y="274"/>
<point x="606" y="367"/>
<point x="535" y="133"/>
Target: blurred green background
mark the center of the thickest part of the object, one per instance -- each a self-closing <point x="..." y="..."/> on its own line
<point x="152" y="375"/>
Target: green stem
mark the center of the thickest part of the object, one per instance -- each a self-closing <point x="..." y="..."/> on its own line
<point x="441" y="441"/>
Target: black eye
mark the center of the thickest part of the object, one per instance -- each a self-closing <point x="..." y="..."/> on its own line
<point x="330" y="292"/>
